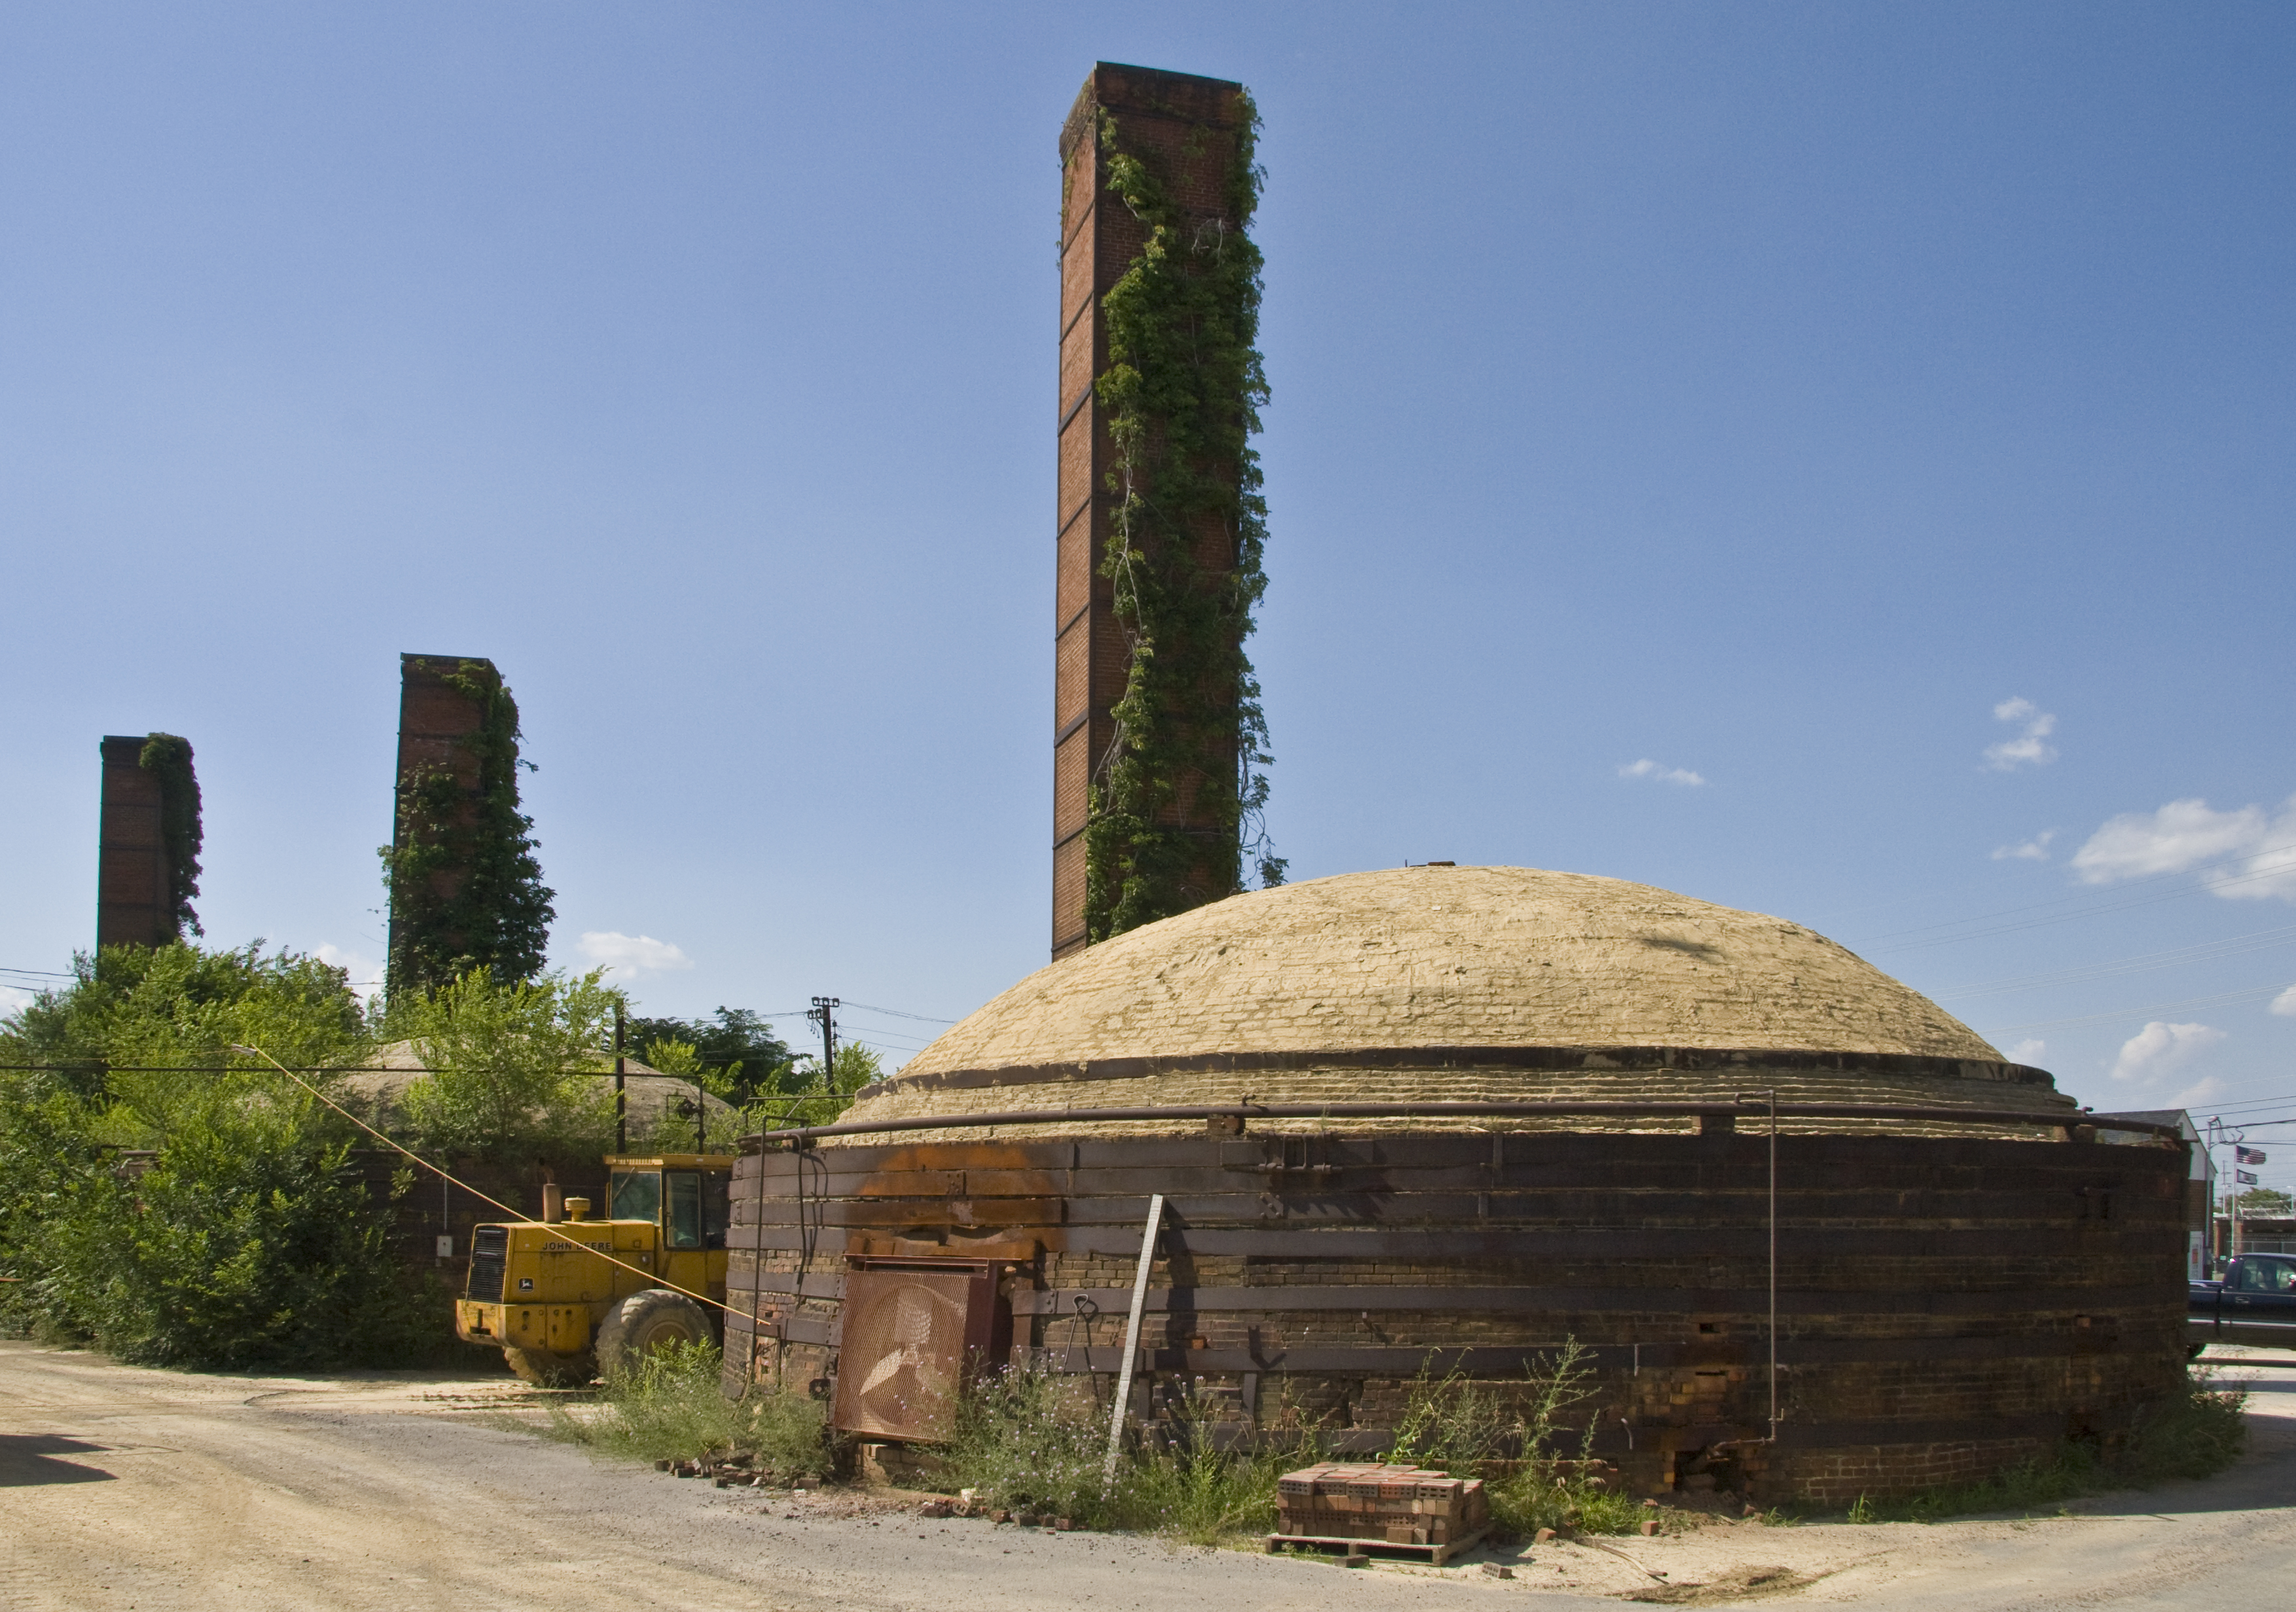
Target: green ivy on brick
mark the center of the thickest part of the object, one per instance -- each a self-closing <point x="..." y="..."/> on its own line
<point x="465" y="884"/>
<point x="168" y="757"/>
<point x="1177" y="804"/>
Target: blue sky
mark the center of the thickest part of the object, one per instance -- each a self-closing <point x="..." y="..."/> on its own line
<point x="1806" y="400"/>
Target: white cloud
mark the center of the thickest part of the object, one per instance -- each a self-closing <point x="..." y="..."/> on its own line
<point x="631" y="955"/>
<point x="2160" y="1049"/>
<point x="2199" y="1092"/>
<point x="2028" y="1051"/>
<point x="2036" y="849"/>
<point x="14" y="999"/>
<point x="365" y="974"/>
<point x="2030" y="748"/>
<point x="1652" y="770"/>
<point x="2256" y="849"/>
<point x="2284" y="1004"/>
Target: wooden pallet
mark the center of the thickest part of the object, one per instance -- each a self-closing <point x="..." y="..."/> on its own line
<point x="1434" y="1555"/>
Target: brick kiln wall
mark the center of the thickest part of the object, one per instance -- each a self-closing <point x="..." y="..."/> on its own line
<point x="1946" y="1305"/>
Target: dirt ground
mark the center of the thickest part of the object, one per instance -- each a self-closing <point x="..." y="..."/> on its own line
<point x="143" y="1489"/>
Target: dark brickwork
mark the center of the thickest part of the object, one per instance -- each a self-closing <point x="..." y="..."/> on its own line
<point x="434" y="720"/>
<point x="1948" y="1305"/>
<point x="427" y="1208"/>
<point x="133" y="905"/>
<point x="1188" y="123"/>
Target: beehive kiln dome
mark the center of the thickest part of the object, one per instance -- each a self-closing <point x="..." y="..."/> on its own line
<point x="1402" y="983"/>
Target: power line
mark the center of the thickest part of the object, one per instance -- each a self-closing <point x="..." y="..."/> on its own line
<point x="897" y="1013"/>
<point x="2202" y="951"/>
<point x="2190" y="1005"/>
<point x="2151" y="879"/>
<point x="2262" y="1102"/>
<point x="2219" y="888"/>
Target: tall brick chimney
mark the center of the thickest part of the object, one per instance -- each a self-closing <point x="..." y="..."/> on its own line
<point x="1187" y="126"/>
<point x="134" y="901"/>
<point x="465" y="886"/>
<point x="436" y="721"/>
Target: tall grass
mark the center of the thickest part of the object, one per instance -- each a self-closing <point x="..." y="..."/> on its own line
<point x="1536" y="1473"/>
<point x="1196" y="1493"/>
<point x="1029" y="1441"/>
<point x="668" y="1407"/>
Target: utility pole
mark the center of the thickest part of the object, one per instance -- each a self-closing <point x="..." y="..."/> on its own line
<point x="622" y="1093"/>
<point x="2221" y="1135"/>
<point x="823" y="1012"/>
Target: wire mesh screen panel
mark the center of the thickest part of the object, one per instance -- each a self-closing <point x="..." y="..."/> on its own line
<point x="902" y="1353"/>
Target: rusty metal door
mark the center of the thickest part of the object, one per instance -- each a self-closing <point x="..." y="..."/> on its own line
<point x="908" y="1331"/>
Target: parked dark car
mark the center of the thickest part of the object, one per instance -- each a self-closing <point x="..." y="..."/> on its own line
<point x="2255" y="1303"/>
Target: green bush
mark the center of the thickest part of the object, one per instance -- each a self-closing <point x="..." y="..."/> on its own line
<point x="669" y="1408"/>
<point x="248" y="1242"/>
<point x="169" y="1203"/>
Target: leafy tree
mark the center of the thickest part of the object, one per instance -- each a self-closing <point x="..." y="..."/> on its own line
<point x="737" y="1053"/>
<point x="144" y="1031"/>
<point x="801" y="1095"/>
<point x="174" y="1203"/>
<point x="2260" y="1202"/>
<point x="513" y="1065"/>
<point x="823" y="1096"/>
<point x="464" y="883"/>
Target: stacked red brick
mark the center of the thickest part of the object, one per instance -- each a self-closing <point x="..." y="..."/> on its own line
<point x="1380" y="1501"/>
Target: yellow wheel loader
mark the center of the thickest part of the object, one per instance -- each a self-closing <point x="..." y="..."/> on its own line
<point x="561" y="1315"/>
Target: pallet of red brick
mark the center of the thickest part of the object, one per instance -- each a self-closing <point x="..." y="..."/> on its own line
<point x="1392" y="1502"/>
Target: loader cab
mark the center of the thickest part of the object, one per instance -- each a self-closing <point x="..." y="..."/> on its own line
<point x="684" y="1195"/>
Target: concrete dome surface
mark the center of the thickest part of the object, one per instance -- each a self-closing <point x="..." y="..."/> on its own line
<point x="1453" y="957"/>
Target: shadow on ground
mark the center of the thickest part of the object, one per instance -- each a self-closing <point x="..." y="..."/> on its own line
<point x="29" y="1459"/>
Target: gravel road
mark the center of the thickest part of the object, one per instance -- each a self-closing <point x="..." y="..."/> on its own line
<point x="144" y="1490"/>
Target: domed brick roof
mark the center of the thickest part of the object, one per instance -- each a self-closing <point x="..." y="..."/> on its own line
<point x="1398" y="983"/>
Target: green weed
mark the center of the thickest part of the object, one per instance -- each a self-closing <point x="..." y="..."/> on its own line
<point x="1538" y="1473"/>
<point x="669" y="1408"/>
<point x="1202" y="1495"/>
<point x="1027" y="1440"/>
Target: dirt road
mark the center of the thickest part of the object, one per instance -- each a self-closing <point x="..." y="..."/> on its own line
<point x="124" y="1488"/>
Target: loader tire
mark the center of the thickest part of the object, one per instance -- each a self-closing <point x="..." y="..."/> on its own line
<point x="645" y="1321"/>
<point x="546" y="1369"/>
